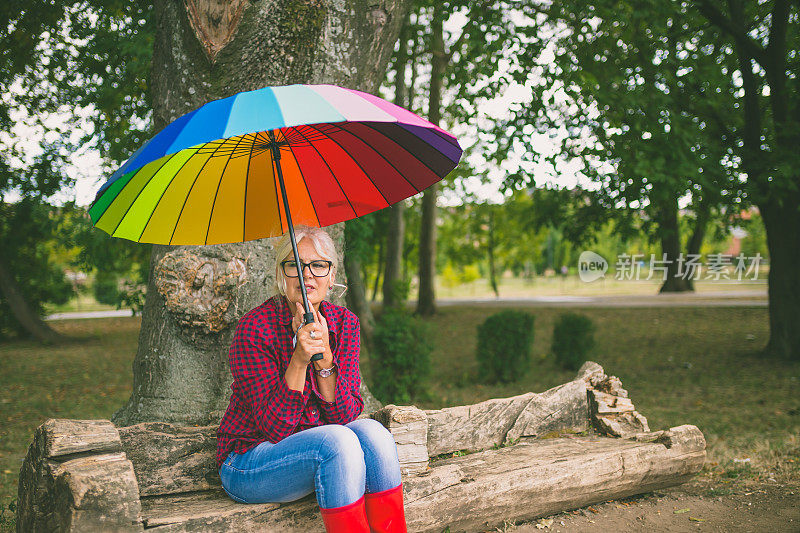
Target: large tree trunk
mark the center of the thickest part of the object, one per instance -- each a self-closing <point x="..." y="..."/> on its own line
<point x="782" y="222"/>
<point x="395" y="235"/>
<point x="357" y="297"/>
<point x="377" y="285"/>
<point x="19" y="306"/>
<point x="698" y="234"/>
<point x="426" y="303"/>
<point x="670" y="235"/>
<point x="208" y="50"/>
<point x="771" y="183"/>
<point x="393" y="273"/>
<point x="490" y="249"/>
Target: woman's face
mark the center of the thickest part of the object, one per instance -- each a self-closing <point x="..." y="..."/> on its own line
<point x="316" y="287"/>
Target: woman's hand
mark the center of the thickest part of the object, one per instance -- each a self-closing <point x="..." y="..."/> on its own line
<point x="311" y="338"/>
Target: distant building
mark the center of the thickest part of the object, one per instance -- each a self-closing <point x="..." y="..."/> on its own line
<point x="738" y="233"/>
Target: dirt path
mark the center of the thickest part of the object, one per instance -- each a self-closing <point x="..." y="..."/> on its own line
<point x="748" y="507"/>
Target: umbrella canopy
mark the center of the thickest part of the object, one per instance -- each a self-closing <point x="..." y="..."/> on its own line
<point x="212" y="175"/>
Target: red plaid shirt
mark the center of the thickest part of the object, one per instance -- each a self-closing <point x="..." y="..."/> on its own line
<point x="262" y="406"/>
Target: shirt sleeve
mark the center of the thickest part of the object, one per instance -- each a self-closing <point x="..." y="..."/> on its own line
<point x="275" y="407"/>
<point x="347" y="403"/>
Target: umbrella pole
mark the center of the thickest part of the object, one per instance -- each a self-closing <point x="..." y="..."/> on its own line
<point x="308" y="316"/>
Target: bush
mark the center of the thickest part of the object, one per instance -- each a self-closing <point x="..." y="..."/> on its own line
<point x="106" y="289"/>
<point x="573" y="339"/>
<point x="504" y="345"/>
<point x="402" y="357"/>
<point x="450" y="277"/>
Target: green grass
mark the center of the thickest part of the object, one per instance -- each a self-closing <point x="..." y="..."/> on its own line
<point x="87" y="377"/>
<point x="697" y="365"/>
<point x="680" y="365"/>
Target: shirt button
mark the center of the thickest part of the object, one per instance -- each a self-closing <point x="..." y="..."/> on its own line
<point x="313" y="411"/>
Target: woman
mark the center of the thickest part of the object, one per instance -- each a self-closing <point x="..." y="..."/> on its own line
<point x="291" y="427"/>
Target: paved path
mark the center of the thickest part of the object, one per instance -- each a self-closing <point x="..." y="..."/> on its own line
<point x="747" y="298"/>
<point x="89" y="314"/>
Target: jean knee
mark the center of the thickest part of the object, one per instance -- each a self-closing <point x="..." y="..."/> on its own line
<point x="375" y="435"/>
<point x="342" y="444"/>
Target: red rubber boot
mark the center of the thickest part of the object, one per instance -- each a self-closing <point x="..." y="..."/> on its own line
<point x="346" y="519"/>
<point x="385" y="512"/>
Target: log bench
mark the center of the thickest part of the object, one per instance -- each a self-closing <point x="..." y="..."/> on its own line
<point x="468" y="467"/>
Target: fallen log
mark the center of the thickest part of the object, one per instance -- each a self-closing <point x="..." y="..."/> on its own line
<point x="536" y="478"/>
<point x="474" y="492"/>
<point x="517" y="458"/>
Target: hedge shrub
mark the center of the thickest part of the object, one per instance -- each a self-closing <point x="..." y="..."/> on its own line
<point x="106" y="288"/>
<point x="573" y="339"/>
<point x="504" y="345"/>
<point x="401" y="361"/>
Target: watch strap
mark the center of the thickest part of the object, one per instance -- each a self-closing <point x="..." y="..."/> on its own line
<point x="325" y="372"/>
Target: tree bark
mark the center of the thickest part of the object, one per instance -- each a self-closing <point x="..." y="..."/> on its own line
<point x="200" y="54"/>
<point x="426" y="302"/>
<point x="27" y="318"/>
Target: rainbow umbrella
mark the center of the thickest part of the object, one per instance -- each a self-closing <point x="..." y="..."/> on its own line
<point x="243" y="167"/>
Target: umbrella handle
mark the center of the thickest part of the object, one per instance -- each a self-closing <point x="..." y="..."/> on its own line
<point x="309" y="318"/>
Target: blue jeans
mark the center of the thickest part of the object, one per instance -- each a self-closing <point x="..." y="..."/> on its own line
<point x="340" y="462"/>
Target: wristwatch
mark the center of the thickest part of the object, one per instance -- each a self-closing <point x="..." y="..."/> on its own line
<point x="325" y="372"/>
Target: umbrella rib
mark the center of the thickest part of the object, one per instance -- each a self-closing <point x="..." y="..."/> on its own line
<point x="308" y="191"/>
<point x="246" y="182"/>
<point x="137" y="194"/>
<point x="162" y="196"/>
<point x="274" y="170"/>
<point x="189" y="193"/>
<point x="354" y="160"/>
<point x="331" y="171"/>
<point x="384" y="157"/>
<point x="216" y="193"/>
<point x="409" y="151"/>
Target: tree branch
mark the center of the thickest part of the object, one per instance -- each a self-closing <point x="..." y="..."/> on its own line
<point x="715" y="17"/>
<point x="776" y="70"/>
<point x="776" y="49"/>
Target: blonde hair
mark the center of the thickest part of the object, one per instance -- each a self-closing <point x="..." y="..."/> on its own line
<point x="323" y="245"/>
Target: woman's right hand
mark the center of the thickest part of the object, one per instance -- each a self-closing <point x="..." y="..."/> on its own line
<point x="306" y="346"/>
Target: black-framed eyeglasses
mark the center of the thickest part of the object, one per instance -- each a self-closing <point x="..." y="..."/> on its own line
<point x="319" y="268"/>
